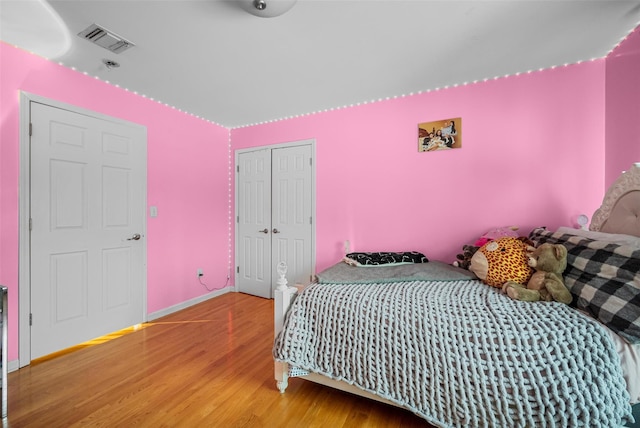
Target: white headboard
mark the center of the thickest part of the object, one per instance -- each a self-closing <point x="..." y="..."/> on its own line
<point x="620" y="209"/>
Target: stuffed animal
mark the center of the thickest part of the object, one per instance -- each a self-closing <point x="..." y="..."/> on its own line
<point x="549" y="261"/>
<point x="497" y="233"/>
<point x="502" y="260"/>
<point x="464" y="259"/>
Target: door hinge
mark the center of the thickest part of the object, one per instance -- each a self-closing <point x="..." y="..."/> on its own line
<point x="310" y="220"/>
<point x="30" y="319"/>
<point x="310" y="161"/>
<point x="238" y="269"/>
<point x="30" y="129"/>
<point x="238" y="168"/>
<point x="237" y="219"/>
<point x="30" y="224"/>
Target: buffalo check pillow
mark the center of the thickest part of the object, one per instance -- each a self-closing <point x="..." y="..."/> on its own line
<point x="604" y="278"/>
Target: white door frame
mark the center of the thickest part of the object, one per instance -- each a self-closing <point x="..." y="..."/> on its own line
<point x="312" y="143"/>
<point x="24" y="274"/>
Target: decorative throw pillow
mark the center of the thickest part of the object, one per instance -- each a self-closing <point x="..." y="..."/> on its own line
<point x="385" y="258"/>
<point x="618" y="238"/>
<point x="604" y="276"/>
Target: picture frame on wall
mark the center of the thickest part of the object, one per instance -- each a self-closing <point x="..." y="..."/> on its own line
<point x="440" y="135"/>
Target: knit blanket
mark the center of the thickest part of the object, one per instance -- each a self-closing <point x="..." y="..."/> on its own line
<point x="459" y="353"/>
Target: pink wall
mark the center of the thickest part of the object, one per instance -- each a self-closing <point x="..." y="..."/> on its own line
<point x="532" y="155"/>
<point x="529" y="141"/>
<point x="623" y="107"/>
<point x="187" y="180"/>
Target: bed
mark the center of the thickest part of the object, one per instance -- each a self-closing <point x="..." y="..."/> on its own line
<point x="433" y="339"/>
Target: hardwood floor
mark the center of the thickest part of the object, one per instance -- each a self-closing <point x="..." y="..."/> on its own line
<point x="209" y="365"/>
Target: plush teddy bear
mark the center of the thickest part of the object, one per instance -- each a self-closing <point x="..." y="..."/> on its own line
<point x="502" y="260"/>
<point x="549" y="261"/>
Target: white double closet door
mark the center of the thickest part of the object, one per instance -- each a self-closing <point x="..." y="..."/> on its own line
<point x="274" y="217"/>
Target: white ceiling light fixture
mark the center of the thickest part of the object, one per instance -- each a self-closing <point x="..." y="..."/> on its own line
<point x="267" y="8"/>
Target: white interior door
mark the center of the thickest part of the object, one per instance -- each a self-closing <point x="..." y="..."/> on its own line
<point x="254" y="223"/>
<point x="87" y="208"/>
<point x="291" y="207"/>
<point x="275" y="217"/>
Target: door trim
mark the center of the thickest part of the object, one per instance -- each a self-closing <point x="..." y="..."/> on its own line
<point x="24" y="195"/>
<point x="310" y="142"/>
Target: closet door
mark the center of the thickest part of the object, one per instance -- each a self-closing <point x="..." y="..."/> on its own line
<point x="254" y="223"/>
<point x="291" y="223"/>
<point x="274" y="222"/>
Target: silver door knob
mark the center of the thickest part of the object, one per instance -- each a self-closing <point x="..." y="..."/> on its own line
<point x="135" y="237"/>
<point x="275" y="230"/>
<point x="265" y="230"/>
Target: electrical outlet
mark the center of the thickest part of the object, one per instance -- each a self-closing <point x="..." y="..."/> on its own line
<point x="200" y="273"/>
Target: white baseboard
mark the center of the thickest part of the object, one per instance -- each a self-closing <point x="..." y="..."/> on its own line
<point x="167" y="311"/>
<point x="12" y="366"/>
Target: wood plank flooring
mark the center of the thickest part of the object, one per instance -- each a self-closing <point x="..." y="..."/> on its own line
<point x="209" y="365"/>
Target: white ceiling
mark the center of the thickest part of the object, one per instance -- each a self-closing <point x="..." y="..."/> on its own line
<point x="214" y="60"/>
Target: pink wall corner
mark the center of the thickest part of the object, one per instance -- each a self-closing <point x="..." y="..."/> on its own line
<point x="189" y="184"/>
<point x="622" y="107"/>
<point x="188" y="180"/>
<point x="531" y="156"/>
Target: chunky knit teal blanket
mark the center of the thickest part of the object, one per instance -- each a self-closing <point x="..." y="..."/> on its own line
<point x="459" y="353"/>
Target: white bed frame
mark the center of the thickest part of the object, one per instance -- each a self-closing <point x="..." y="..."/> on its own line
<point x="284" y="296"/>
<point x="628" y="182"/>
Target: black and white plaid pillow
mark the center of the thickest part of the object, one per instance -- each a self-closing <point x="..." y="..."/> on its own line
<point x="604" y="278"/>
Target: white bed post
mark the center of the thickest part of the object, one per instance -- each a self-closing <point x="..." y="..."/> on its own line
<point x="283" y="297"/>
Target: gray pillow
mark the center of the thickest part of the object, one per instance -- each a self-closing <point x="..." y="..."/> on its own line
<point x="342" y="273"/>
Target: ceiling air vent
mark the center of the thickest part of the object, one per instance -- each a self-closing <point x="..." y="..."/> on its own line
<point x="105" y="38"/>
